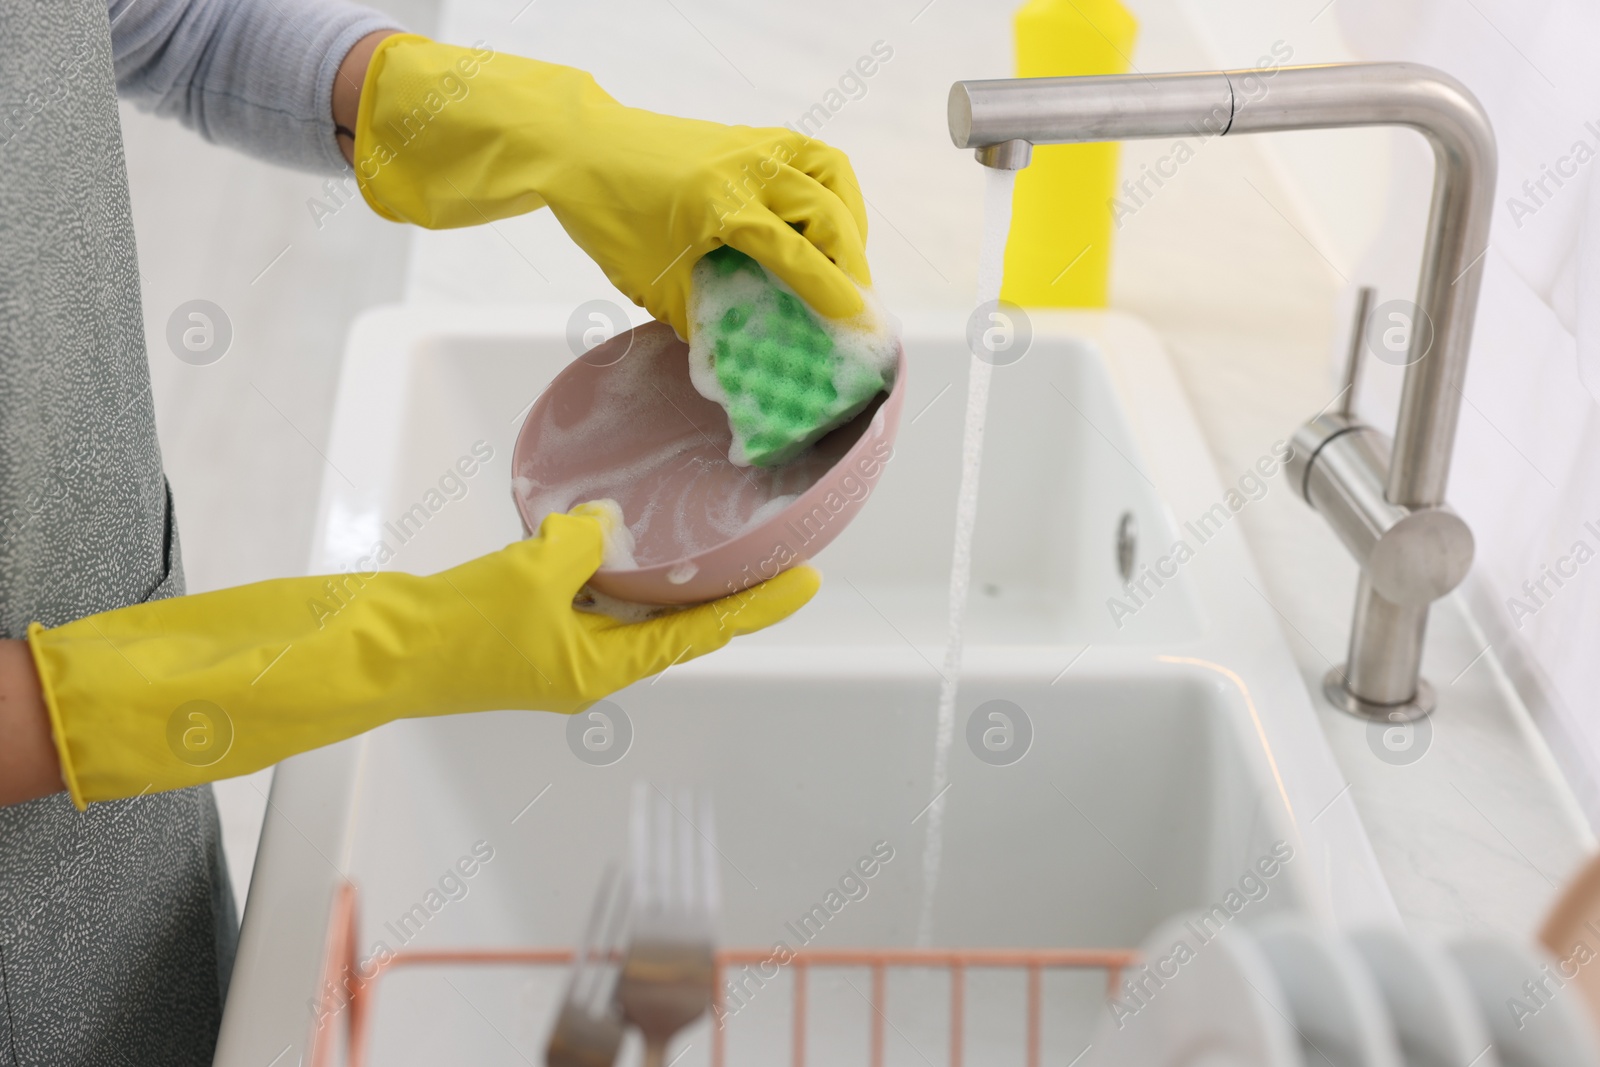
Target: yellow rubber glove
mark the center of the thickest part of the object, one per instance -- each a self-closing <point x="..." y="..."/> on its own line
<point x="449" y="136"/>
<point x="197" y="688"/>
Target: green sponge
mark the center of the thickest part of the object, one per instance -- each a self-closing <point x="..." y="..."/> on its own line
<point x="785" y="375"/>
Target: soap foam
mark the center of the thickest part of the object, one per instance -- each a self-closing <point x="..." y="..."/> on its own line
<point x="769" y="509"/>
<point x="864" y="347"/>
<point x="591" y="601"/>
<point x="617" y="553"/>
<point x="667" y="520"/>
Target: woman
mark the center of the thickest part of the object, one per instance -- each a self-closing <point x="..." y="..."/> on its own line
<point x="117" y="692"/>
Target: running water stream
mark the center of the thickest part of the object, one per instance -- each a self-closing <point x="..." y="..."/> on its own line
<point x="991" y="265"/>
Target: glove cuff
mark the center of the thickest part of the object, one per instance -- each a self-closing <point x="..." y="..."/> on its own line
<point x="371" y="153"/>
<point x="58" y="733"/>
<point x="448" y="136"/>
<point x="183" y="691"/>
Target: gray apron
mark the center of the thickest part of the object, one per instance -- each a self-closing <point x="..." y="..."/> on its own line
<point x="117" y="926"/>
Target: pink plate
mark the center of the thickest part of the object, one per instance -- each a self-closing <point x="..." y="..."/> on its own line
<point x="624" y="422"/>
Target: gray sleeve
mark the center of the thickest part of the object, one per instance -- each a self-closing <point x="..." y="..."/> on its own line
<point x="252" y="74"/>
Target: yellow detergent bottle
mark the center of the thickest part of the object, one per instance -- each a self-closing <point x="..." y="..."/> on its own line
<point x="1059" y="250"/>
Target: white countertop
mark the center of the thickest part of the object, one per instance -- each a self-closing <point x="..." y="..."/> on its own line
<point x="1480" y="829"/>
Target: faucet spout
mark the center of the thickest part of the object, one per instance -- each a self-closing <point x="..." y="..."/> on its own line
<point x="1383" y="678"/>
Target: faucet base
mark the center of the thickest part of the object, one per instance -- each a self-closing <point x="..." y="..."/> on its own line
<point x="1419" y="706"/>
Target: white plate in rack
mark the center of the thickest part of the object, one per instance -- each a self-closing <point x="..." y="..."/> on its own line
<point x="1435" y="1016"/>
<point x="1338" y="1011"/>
<point x="1220" y="1006"/>
<point x="1554" y="1031"/>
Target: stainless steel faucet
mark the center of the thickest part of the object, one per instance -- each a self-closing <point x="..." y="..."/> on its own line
<point x="1386" y="502"/>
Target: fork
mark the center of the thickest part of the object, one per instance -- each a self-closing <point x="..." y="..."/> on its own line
<point x="588" y="1030"/>
<point x="669" y="973"/>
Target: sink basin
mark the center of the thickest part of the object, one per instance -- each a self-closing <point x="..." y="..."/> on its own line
<point x="1173" y="748"/>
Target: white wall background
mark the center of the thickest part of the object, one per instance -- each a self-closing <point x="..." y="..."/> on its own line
<point x="1525" y="472"/>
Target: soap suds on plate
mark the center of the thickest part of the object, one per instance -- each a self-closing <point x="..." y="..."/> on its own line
<point x="681" y="573"/>
<point x="617" y="553"/>
<point x="678" y="516"/>
<point x="769" y="509"/>
<point x="593" y="602"/>
<point x="674" y="493"/>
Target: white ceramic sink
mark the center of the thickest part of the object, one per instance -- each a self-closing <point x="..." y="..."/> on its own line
<point x="1170" y="753"/>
